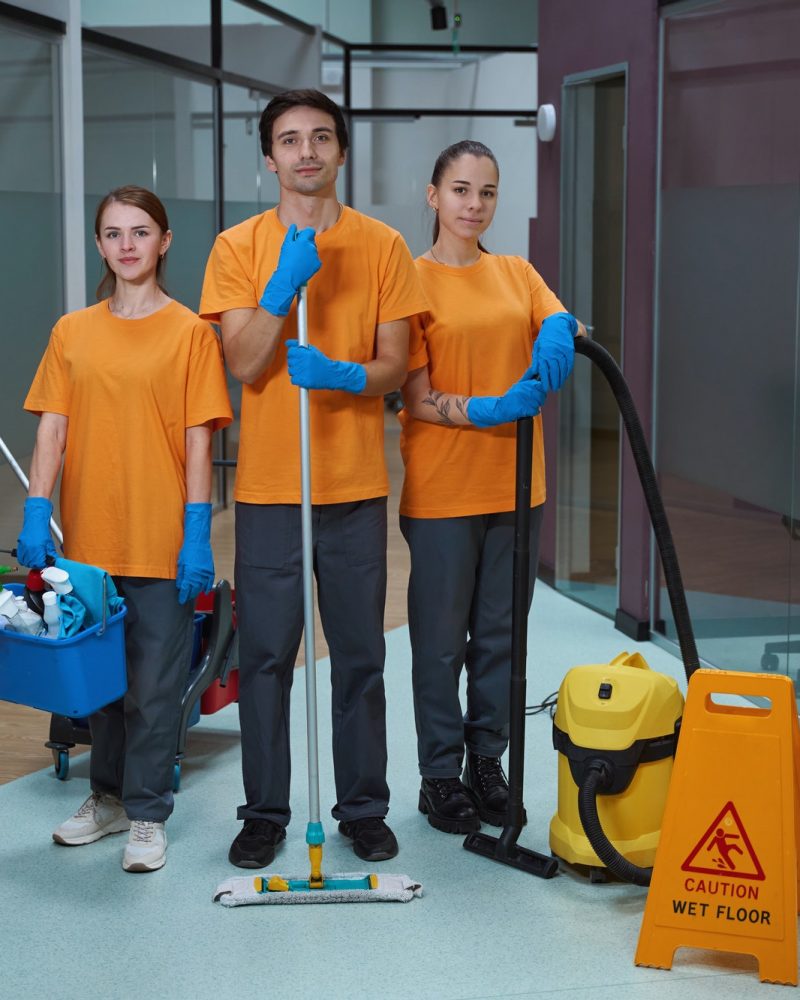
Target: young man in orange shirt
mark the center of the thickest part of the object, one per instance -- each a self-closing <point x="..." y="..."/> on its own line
<point x="358" y="308"/>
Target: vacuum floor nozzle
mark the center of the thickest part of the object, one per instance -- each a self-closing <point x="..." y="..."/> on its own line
<point x="517" y="857"/>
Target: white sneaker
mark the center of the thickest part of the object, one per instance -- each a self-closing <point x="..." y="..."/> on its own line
<point x="146" y="849"/>
<point x="97" y="817"/>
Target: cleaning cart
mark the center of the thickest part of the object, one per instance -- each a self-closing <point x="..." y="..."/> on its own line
<point x="71" y="678"/>
<point x="213" y="681"/>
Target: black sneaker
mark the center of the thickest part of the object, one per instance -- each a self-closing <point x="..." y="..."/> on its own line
<point x="255" y="845"/>
<point x="446" y="803"/>
<point x="486" y="781"/>
<point x="372" y="838"/>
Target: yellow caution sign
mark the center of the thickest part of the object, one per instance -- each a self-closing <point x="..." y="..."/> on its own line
<point x="725" y="874"/>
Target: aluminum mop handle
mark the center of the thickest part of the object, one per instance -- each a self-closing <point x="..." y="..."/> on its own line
<point x="24" y="480"/>
<point x="315" y="836"/>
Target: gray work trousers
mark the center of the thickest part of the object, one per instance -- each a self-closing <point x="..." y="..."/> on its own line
<point x="459" y="615"/>
<point x="349" y="546"/>
<point x="135" y="738"/>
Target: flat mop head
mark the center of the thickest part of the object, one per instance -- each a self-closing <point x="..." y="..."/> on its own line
<point x="346" y="887"/>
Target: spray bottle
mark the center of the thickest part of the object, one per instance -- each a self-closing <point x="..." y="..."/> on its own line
<point x="57" y="579"/>
<point x="34" y="590"/>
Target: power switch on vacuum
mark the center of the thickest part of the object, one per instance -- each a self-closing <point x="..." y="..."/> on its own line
<point x="605" y="691"/>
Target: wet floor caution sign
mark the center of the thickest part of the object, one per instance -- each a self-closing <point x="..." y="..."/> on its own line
<point x="725" y="874"/>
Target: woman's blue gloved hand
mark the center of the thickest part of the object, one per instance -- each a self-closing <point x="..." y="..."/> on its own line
<point x="554" y="350"/>
<point x="311" y="369"/>
<point x="195" y="560"/>
<point x="35" y="545"/>
<point x="523" y="399"/>
<point x="298" y="262"/>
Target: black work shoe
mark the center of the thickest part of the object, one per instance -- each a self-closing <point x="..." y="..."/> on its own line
<point x="255" y="845"/>
<point x="486" y="781"/>
<point x="447" y="805"/>
<point x="372" y="838"/>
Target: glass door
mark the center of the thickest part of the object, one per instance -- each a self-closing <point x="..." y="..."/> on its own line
<point x="592" y="275"/>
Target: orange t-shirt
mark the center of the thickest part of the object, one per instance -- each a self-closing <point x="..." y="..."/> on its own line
<point x="130" y="388"/>
<point x="476" y="340"/>
<point x="367" y="277"/>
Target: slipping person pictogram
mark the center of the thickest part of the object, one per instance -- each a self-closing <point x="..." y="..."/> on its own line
<point x="722" y="845"/>
<point x="732" y="853"/>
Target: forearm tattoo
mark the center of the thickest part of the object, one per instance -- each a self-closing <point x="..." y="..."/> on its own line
<point x="442" y="402"/>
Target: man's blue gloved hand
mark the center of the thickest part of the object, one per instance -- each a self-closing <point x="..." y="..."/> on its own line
<point x="35" y="545"/>
<point x="523" y="399"/>
<point x="554" y="350"/>
<point x="311" y="369"/>
<point x="195" y="560"/>
<point x="298" y="262"/>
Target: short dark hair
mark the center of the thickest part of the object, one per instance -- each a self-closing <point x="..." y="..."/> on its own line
<point x="282" y="103"/>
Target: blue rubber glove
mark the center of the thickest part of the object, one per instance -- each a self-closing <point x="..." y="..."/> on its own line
<point x="554" y="350"/>
<point x="523" y="399"/>
<point x="35" y="545"/>
<point x="298" y="262"/>
<point x="311" y="369"/>
<point x="195" y="560"/>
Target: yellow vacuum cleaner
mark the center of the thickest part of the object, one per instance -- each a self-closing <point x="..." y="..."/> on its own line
<point x="616" y="730"/>
<point x="616" y="725"/>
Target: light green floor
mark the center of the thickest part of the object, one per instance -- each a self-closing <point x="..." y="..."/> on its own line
<point x="74" y="926"/>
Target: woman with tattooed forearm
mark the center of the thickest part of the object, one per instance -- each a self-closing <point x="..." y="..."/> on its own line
<point x="494" y="342"/>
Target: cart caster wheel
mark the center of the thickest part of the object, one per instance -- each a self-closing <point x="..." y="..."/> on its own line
<point x="769" y="661"/>
<point x="176" y="776"/>
<point x="61" y="764"/>
<point x="597" y="876"/>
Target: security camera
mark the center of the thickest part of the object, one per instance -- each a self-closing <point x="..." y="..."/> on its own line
<point x="438" y="15"/>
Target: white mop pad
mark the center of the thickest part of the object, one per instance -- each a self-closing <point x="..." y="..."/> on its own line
<point x="241" y="890"/>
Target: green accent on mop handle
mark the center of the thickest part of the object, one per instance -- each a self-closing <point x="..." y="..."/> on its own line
<point x="315" y="834"/>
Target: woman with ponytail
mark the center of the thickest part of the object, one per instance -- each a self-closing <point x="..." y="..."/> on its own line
<point x="494" y="342"/>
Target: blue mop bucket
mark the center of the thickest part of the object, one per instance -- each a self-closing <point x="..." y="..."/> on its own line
<point x="74" y="676"/>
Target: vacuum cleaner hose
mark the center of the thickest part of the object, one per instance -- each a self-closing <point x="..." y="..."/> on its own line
<point x="596" y="778"/>
<point x="644" y="466"/>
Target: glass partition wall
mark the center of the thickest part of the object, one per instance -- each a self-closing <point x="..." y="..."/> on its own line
<point x="145" y="125"/>
<point x="407" y="104"/>
<point x="728" y="385"/>
<point x="31" y="207"/>
<point x="172" y="97"/>
<point x="592" y="250"/>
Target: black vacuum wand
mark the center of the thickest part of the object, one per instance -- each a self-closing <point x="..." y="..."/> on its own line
<point x="599" y="356"/>
<point x="505" y="848"/>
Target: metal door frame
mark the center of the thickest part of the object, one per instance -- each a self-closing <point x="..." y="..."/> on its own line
<point x="569" y="86"/>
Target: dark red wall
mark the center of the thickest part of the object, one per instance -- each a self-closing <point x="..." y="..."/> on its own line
<point x="577" y="36"/>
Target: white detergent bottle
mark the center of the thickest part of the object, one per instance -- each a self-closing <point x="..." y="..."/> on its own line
<point x="9" y="609"/>
<point x="32" y="623"/>
<point x="52" y="614"/>
<point x="20" y="619"/>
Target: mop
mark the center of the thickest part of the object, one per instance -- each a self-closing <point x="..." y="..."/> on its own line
<point x="342" y="887"/>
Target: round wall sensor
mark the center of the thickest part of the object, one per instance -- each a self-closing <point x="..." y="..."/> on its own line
<point x="546" y="122"/>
